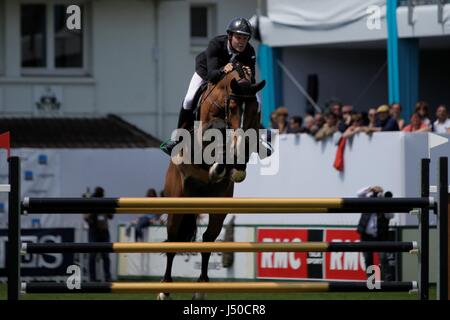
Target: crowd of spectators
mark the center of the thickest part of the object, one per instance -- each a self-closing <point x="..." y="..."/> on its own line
<point x="344" y="119"/>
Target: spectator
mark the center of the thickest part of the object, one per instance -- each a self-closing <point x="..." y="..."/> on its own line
<point x="144" y="221"/>
<point x="372" y="117"/>
<point x="442" y="123"/>
<point x="329" y="128"/>
<point x="309" y="124"/>
<point x="319" y="121"/>
<point x="422" y="110"/>
<point x="416" y="124"/>
<point x="396" y="113"/>
<point x="364" y="119"/>
<point x="336" y="109"/>
<point x="356" y="124"/>
<point x="384" y="121"/>
<point x="344" y="123"/>
<point x="98" y="232"/>
<point x="295" y="125"/>
<point x="375" y="227"/>
<point x="282" y="115"/>
<point x="273" y="120"/>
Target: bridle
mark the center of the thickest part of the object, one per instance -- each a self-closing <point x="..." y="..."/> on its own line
<point x="240" y="99"/>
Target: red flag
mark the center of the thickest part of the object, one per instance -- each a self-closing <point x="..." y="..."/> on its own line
<point x="4" y="142"/>
<point x="339" y="160"/>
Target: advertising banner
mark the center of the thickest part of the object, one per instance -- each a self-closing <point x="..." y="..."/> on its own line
<point x="46" y="264"/>
<point x="310" y="265"/>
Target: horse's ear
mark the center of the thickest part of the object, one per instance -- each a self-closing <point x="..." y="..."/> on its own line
<point x="257" y="87"/>
<point x="235" y="86"/>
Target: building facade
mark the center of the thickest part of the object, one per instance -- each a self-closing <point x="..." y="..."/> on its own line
<point x="130" y="58"/>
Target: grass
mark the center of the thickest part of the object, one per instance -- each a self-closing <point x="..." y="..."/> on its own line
<point x="230" y="296"/>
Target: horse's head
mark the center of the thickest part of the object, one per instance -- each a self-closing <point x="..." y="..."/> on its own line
<point x="233" y="102"/>
<point x="238" y="99"/>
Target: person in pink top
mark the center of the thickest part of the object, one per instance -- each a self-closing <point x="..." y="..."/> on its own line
<point x="416" y="125"/>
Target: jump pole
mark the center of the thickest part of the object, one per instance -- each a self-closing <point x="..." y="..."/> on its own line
<point x="224" y="205"/>
<point x="158" y="247"/>
<point x="215" y="210"/>
<point x="424" y="225"/>
<point x="13" y="257"/>
<point x="217" y="287"/>
<point x="443" y="223"/>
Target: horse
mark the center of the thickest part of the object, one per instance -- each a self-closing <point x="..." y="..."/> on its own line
<point x="229" y="104"/>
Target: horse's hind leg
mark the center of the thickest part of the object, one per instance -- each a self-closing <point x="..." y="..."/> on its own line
<point x="167" y="276"/>
<point x="212" y="232"/>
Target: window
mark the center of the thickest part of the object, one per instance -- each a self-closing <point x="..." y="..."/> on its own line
<point x="2" y="43"/>
<point x="68" y="43"/>
<point x="199" y="22"/>
<point x="202" y="27"/>
<point x="33" y="35"/>
<point x="47" y="45"/>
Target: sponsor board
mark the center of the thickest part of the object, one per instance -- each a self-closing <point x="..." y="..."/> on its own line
<point x="310" y="265"/>
<point x="45" y="264"/>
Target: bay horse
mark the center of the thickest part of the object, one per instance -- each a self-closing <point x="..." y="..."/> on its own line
<point x="231" y="103"/>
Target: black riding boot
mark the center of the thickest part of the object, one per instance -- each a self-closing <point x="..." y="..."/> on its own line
<point x="185" y="121"/>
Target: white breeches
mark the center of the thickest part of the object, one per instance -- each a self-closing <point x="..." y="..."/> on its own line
<point x="196" y="82"/>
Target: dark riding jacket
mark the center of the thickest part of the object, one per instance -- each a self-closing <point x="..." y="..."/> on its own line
<point x="382" y="225"/>
<point x="209" y="64"/>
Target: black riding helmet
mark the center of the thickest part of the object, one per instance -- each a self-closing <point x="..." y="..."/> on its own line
<point x="241" y="26"/>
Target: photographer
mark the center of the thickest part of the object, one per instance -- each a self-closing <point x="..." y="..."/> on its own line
<point x="375" y="227"/>
<point x="98" y="232"/>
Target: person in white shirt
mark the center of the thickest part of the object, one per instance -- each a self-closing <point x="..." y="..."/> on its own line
<point x="442" y="123"/>
<point x="375" y="227"/>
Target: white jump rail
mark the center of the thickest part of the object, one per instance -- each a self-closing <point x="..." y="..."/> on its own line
<point x="433" y="189"/>
<point x="5" y="188"/>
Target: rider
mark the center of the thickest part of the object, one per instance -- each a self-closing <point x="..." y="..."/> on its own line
<point x="214" y="62"/>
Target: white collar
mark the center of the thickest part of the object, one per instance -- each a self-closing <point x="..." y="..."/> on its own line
<point x="443" y="122"/>
<point x="230" y="50"/>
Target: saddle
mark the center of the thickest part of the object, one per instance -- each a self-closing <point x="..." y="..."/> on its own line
<point x="196" y="101"/>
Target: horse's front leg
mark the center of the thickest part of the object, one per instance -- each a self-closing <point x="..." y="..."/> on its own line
<point x="173" y="223"/>
<point x="212" y="232"/>
<point x="245" y="148"/>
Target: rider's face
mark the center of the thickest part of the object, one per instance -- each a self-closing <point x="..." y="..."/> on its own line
<point x="239" y="42"/>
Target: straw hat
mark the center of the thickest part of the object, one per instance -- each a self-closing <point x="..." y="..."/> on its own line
<point x="282" y="111"/>
<point x="383" y="108"/>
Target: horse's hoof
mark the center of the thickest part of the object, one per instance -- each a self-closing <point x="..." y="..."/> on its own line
<point x="163" y="296"/>
<point x="214" y="174"/>
<point x="199" y="296"/>
<point x="237" y="175"/>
